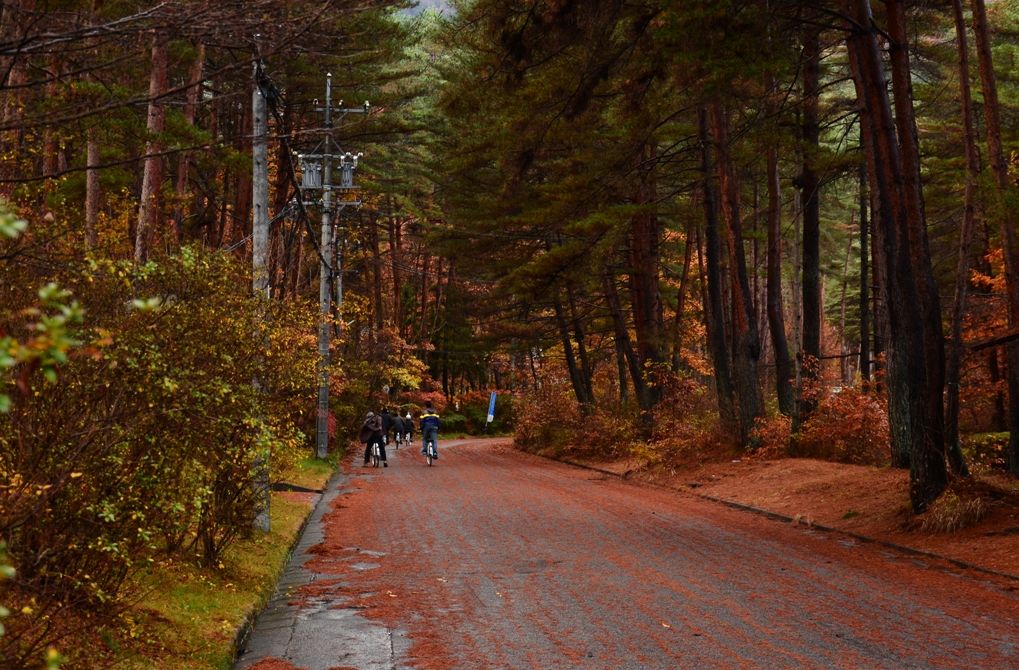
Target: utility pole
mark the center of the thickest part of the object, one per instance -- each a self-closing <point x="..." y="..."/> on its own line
<point x="259" y="267"/>
<point x="322" y="420"/>
<point x="259" y="190"/>
<point x="317" y="174"/>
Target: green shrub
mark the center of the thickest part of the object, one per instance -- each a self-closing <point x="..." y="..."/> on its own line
<point x="149" y="441"/>
<point x="985" y="449"/>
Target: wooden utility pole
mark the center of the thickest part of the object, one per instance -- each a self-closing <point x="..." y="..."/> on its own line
<point x="259" y="245"/>
<point x="324" y="276"/>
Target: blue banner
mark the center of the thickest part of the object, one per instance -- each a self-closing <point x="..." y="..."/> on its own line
<point x="491" y="408"/>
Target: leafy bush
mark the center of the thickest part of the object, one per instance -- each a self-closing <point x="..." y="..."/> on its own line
<point x="985" y="450"/>
<point x="850" y="426"/>
<point x="149" y="442"/>
<point x="548" y="420"/>
<point x="474" y="413"/>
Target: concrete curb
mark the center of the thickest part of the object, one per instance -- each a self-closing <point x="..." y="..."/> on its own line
<point x="244" y="630"/>
<point x="776" y="516"/>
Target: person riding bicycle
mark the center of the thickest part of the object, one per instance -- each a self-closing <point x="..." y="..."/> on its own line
<point x="408" y="427"/>
<point x="371" y="434"/>
<point x="397" y="428"/>
<point x="387" y="424"/>
<point x="430" y="425"/>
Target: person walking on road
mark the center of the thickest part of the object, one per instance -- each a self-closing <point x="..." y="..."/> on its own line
<point x="430" y="425"/>
<point x="370" y="434"/>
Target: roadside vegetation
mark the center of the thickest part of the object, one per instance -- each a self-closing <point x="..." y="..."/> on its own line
<point x="664" y="232"/>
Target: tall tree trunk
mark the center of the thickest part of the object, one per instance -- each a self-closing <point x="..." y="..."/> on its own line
<point x="864" y="204"/>
<point x="646" y="300"/>
<point x="50" y="138"/>
<point x="571" y="360"/>
<point x="578" y="333"/>
<point x="92" y="193"/>
<point x="677" y="333"/>
<point x="809" y="184"/>
<point x="394" y="264"/>
<point x="190" y="113"/>
<point x="622" y="334"/>
<point x="845" y="362"/>
<point x="717" y="340"/>
<point x="1007" y="205"/>
<point x="776" y="311"/>
<point x="915" y="378"/>
<point x="621" y="371"/>
<point x="425" y="258"/>
<point x="148" y="209"/>
<point x="966" y="236"/>
<point x="879" y="301"/>
<point x="373" y="237"/>
<point x="746" y="345"/>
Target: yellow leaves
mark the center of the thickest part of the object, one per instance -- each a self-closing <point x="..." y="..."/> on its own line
<point x="75" y="475"/>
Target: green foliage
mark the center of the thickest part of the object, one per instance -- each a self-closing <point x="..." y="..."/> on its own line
<point x="42" y="330"/>
<point x="148" y="444"/>
<point x="474" y="413"/>
<point x="985" y="450"/>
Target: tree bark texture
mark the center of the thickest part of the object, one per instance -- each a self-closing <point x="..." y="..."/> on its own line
<point x="576" y="380"/>
<point x="717" y="340"/>
<point x="190" y="113"/>
<point x="646" y="299"/>
<point x="622" y="335"/>
<point x="915" y="379"/>
<point x="148" y="210"/>
<point x="776" y="311"/>
<point x="864" y="205"/>
<point x="967" y="234"/>
<point x="810" y="185"/>
<point x="745" y="344"/>
<point x="92" y="192"/>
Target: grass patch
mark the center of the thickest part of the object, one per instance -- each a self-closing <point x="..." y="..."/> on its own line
<point x="189" y="617"/>
<point x="313" y="473"/>
<point x="952" y="512"/>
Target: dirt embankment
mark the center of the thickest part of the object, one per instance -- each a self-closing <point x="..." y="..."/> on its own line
<point x="865" y="501"/>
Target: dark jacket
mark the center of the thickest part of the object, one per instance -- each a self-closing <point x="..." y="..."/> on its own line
<point x="387" y="422"/>
<point x="429" y="419"/>
<point x="372" y="427"/>
<point x="398" y="423"/>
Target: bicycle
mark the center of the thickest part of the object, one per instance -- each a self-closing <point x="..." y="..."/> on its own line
<point x="430" y="453"/>
<point x="376" y="453"/>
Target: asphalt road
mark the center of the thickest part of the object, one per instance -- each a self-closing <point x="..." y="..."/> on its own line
<point x="496" y="559"/>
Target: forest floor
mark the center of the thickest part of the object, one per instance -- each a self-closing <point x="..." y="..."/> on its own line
<point x="867" y="502"/>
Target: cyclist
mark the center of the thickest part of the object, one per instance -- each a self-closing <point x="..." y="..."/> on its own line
<point x="398" y="428"/>
<point x="408" y="428"/>
<point x="387" y="424"/>
<point x="371" y="433"/>
<point x="430" y="425"/>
